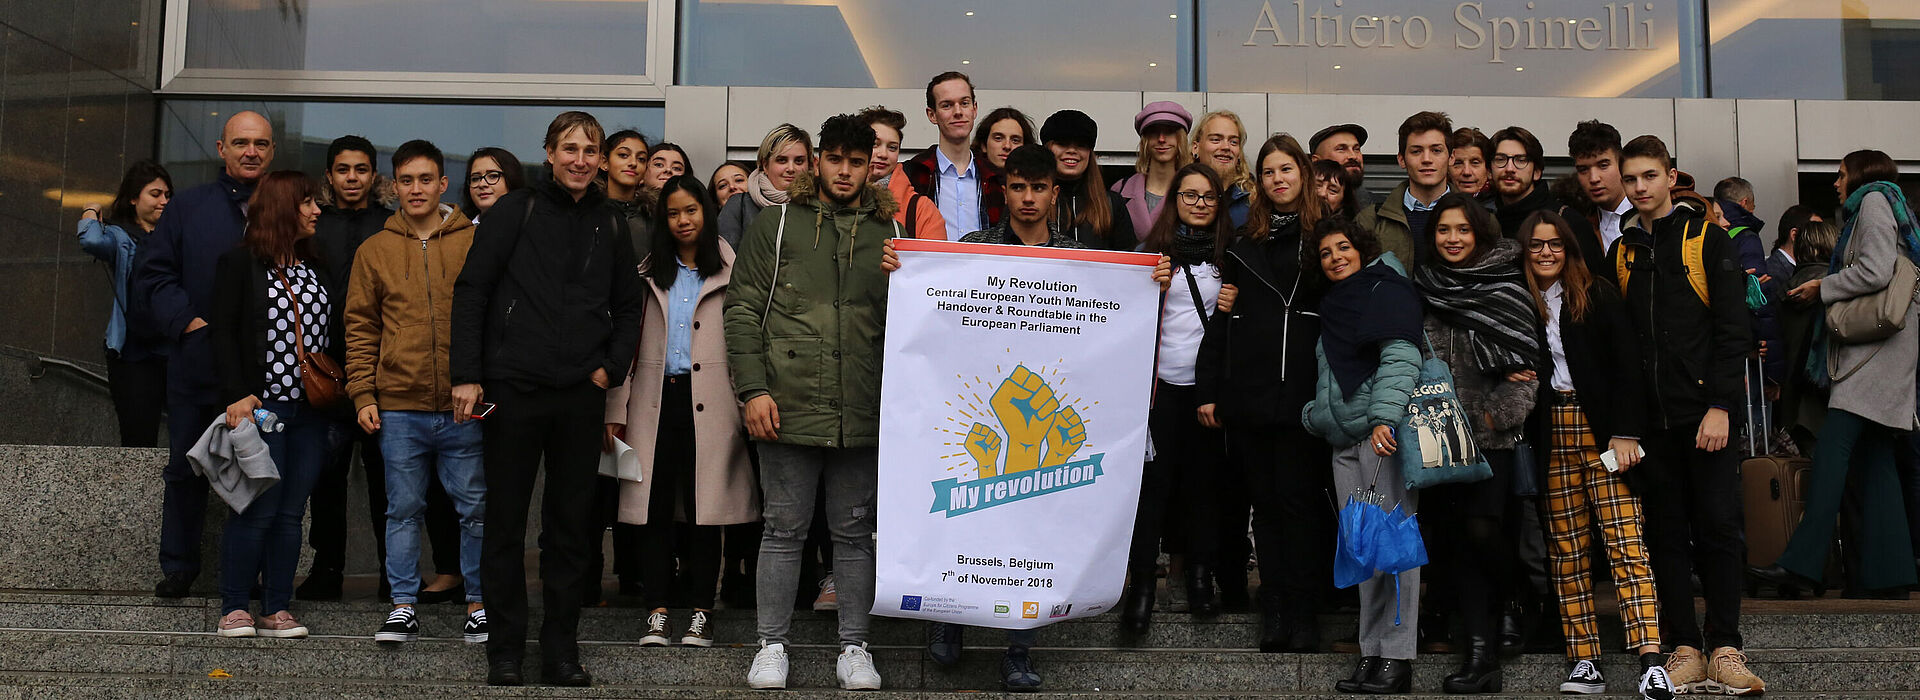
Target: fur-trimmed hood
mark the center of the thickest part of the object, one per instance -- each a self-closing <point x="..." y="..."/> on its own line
<point x="381" y="191"/>
<point x="805" y="192"/>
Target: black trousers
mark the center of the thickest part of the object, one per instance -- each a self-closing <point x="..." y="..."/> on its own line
<point x="1181" y="484"/>
<point x="327" y="534"/>
<point x="1468" y="526"/>
<point x="671" y="494"/>
<point x="563" y="426"/>
<point x="139" y="391"/>
<point x="1692" y="503"/>
<point x="1287" y="477"/>
<point x="628" y="540"/>
<point x="183" y="515"/>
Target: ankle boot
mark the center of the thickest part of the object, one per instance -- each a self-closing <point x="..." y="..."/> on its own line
<point x="1513" y="632"/>
<point x="1200" y="590"/>
<point x="1362" y="672"/>
<point x="1393" y="677"/>
<point x="1136" y="605"/>
<point x="1479" y="671"/>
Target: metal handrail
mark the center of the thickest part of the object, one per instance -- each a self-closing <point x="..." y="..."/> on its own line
<point x="42" y="362"/>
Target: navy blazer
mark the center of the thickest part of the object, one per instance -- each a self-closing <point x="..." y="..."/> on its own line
<point x="173" y="279"/>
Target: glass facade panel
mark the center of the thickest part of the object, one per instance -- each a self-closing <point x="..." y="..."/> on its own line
<point x="587" y="37"/>
<point x="1001" y="44"/>
<point x="1816" y="49"/>
<point x="190" y="128"/>
<point x="1572" y="48"/>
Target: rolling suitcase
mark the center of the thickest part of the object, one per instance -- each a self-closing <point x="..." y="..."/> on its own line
<point x="1773" y="489"/>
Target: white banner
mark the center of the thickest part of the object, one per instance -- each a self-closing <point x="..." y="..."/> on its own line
<point x="1013" y="422"/>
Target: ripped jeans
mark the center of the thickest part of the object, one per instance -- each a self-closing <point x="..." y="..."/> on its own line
<point x="790" y="476"/>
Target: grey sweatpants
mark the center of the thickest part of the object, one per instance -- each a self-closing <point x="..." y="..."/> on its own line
<point x="790" y="476"/>
<point x="1354" y="468"/>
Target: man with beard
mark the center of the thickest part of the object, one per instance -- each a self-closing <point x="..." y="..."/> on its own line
<point x="1519" y="164"/>
<point x="1341" y="144"/>
<point x="782" y="354"/>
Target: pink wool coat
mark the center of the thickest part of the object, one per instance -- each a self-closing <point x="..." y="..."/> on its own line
<point x="723" y="483"/>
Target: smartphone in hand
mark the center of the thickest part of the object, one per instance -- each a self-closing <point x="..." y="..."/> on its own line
<point x="1612" y="461"/>
<point x="482" y="410"/>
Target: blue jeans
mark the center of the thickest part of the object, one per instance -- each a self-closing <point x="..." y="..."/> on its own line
<point x="417" y="445"/>
<point x="263" y="543"/>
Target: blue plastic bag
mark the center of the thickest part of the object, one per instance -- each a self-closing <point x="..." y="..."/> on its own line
<point x="1360" y="520"/>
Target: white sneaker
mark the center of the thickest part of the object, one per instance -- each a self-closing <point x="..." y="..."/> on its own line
<point x="769" y="670"/>
<point x="856" y="670"/>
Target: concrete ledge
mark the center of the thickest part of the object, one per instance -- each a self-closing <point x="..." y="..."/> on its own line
<point x="88" y="519"/>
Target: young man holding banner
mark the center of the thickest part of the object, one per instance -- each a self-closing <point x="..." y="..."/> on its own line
<point x="1030" y="192"/>
<point x="806" y="364"/>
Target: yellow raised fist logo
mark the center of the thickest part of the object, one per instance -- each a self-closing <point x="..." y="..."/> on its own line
<point x="1039" y="432"/>
<point x="984" y="445"/>
<point x="1065" y="436"/>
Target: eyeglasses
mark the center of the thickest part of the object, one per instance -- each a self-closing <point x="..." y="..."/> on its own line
<point x="1192" y="198"/>
<point x="491" y="177"/>
<point x="1500" y="160"/>
<point x="1554" y="244"/>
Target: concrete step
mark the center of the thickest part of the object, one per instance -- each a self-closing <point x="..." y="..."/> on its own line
<point x="25" y="609"/>
<point x="905" y="667"/>
<point x="164" y="687"/>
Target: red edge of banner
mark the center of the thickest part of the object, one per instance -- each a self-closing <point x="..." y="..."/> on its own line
<point x="1105" y="256"/>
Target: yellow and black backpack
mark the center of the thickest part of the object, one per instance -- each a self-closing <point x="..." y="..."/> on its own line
<point x="1693" y="254"/>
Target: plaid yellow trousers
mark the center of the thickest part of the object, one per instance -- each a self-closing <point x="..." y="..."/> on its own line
<point x="1580" y="491"/>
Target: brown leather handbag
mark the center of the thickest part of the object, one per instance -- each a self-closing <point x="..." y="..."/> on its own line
<point x="321" y="379"/>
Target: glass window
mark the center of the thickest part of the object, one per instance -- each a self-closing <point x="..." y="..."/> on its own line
<point x="1572" y="48"/>
<point x="1001" y="44"/>
<point x="302" y="130"/>
<point x="1815" y="49"/>
<point x="588" y="37"/>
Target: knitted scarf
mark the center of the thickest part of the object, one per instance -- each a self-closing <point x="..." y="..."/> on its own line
<point x="1192" y="247"/>
<point x="1850" y="213"/>
<point x="761" y="189"/>
<point x="1487" y="299"/>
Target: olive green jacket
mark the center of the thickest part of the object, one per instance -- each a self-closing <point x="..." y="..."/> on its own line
<point x="814" y="344"/>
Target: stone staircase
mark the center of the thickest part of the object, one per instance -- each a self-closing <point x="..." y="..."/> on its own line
<point x="78" y="645"/>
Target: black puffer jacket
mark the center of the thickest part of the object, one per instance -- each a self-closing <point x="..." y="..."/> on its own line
<point x="548" y="295"/>
<point x="1257" y="363"/>
<point x="1694" y="353"/>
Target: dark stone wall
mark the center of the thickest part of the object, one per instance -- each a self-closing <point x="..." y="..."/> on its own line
<point x="76" y="107"/>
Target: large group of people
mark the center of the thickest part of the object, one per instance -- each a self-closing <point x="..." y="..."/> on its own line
<point x="1602" y="334"/>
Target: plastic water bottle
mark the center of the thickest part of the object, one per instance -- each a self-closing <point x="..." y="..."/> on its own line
<point x="268" y="421"/>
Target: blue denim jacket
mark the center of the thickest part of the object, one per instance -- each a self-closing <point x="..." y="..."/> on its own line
<point x="111" y="244"/>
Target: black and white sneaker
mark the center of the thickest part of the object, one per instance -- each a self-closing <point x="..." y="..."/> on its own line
<point x="656" y="630"/>
<point x="1654" y="683"/>
<point x="1584" y="679"/>
<point x="475" y="631"/>
<point x="402" y="626"/>
<point x="698" y="632"/>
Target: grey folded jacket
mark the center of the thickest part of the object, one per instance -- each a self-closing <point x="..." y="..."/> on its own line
<point x="235" y="462"/>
